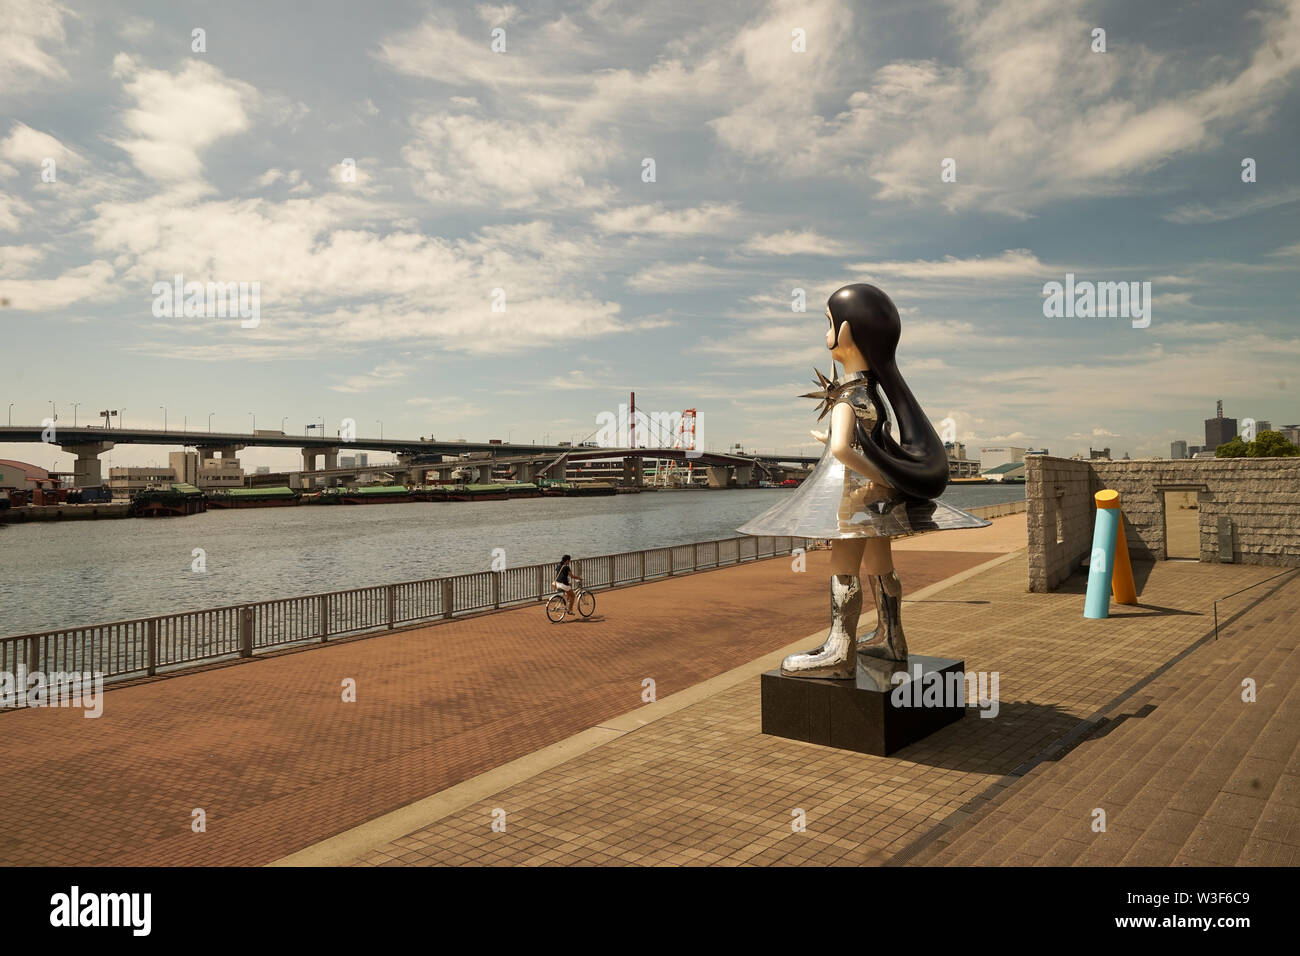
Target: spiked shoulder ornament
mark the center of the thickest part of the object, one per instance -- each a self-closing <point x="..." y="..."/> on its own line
<point x="830" y="391"/>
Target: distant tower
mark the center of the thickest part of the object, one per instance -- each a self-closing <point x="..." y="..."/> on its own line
<point x="686" y="431"/>
<point x="1219" y="429"/>
<point x="687" y="440"/>
<point x="631" y="422"/>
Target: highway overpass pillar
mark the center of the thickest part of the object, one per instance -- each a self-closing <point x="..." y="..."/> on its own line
<point x="87" y="471"/>
<point x="331" y="462"/>
<point x="525" y="471"/>
<point x="718" y="475"/>
<point x="744" y="475"/>
<point x="634" y="472"/>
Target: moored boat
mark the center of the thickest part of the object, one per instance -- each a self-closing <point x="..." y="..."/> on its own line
<point x="486" y="492"/>
<point x="375" y="494"/>
<point x="180" y="498"/>
<point x="254" y="498"/>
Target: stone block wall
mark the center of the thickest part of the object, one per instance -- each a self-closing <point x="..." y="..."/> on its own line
<point x="1059" y="518"/>
<point x="1259" y="496"/>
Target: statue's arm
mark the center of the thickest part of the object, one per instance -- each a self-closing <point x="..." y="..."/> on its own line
<point x="843" y="422"/>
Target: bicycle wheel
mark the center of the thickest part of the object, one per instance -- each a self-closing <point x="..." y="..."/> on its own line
<point x="556" y="608"/>
<point x="586" y="603"/>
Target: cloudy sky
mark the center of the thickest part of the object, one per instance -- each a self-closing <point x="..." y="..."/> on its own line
<point x="795" y="145"/>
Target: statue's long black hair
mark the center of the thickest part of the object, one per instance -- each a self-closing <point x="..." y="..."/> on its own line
<point x="915" y="465"/>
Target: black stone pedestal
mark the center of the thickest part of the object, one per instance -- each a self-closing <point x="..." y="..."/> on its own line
<point x="871" y="715"/>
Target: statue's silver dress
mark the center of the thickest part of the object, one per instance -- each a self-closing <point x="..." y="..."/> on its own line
<point x="837" y="502"/>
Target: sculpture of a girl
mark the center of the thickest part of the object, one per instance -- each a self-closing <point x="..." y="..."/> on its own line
<point x="868" y="486"/>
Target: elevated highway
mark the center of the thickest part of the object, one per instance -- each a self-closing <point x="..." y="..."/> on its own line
<point x="88" y="442"/>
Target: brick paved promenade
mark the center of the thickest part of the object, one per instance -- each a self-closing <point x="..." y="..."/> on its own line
<point x="1204" y="777"/>
<point x="277" y="761"/>
<point x="1186" y="772"/>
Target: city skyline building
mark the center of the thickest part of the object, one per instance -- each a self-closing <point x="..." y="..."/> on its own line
<point x="1219" y="429"/>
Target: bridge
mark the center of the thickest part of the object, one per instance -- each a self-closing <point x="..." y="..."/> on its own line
<point x="415" y="456"/>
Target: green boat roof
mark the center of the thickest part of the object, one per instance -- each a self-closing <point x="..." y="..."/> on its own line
<point x="185" y="488"/>
<point x="491" y="487"/>
<point x="380" y="490"/>
<point x="281" y="492"/>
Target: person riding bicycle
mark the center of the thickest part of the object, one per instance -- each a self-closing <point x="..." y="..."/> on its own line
<point x="563" y="576"/>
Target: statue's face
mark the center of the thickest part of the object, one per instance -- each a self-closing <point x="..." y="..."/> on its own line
<point x="845" y="347"/>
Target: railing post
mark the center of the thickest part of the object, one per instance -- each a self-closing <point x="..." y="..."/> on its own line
<point x="323" y="616"/>
<point x="737" y="540"/>
<point x="643" y="565"/>
<point x="390" y="599"/>
<point x="33" y="655"/>
<point x="151" y="649"/>
<point x="245" y="632"/>
<point x="540" y="582"/>
<point x="609" y="570"/>
<point x="496" y="590"/>
<point x="448" y="597"/>
<point x="672" y="560"/>
<point x="695" y="557"/>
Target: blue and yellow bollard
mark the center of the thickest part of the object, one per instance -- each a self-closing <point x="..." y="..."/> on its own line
<point x="1108" y="568"/>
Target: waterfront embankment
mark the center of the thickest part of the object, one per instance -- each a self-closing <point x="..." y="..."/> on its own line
<point x="278" y="760"/>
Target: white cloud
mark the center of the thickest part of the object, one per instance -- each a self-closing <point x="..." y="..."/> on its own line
<point x="998" y="113"/>
<point x="1258" y="198"/>
<point x="334" y="285"/>
<point x="382" y="375"/>
<point x="795" y="242"/>
<point x="17" y="261"/>
<point x="177" y="115"/>
<point x="469" y="60"/>
<point x="576" y="380"/>
<point x="30" y="26"/>
<point x="495" y="15"/>
<point x="11" y="209"/>
<point x="1011" y="264"/>
<point x="80" y="284"/>
<point x="464" y="159"/>
<point x="30" y="147"/>
<point x="679" y="277"/>
<point x="653" y="219"/>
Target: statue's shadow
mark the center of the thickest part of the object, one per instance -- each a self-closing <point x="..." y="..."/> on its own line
<point x="1013" y="736"/>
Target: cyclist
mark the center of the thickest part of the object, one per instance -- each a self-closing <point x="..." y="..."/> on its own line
<point x="563" y="577"/>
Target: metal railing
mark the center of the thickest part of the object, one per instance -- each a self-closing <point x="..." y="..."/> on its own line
<point x="146" y="646"/>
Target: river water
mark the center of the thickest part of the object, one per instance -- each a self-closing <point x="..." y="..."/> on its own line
<point x="63" y="574"/>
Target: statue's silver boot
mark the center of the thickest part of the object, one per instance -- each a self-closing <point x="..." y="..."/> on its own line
<point x="887" y="641"/>
<point x="837" y="658"/>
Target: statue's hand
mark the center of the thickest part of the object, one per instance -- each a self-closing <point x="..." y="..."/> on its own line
<point x="861" y="495"/>
<point x="820" y="436"/>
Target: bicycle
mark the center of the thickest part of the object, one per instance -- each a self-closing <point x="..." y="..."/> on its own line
<point x="557" y="608"/>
